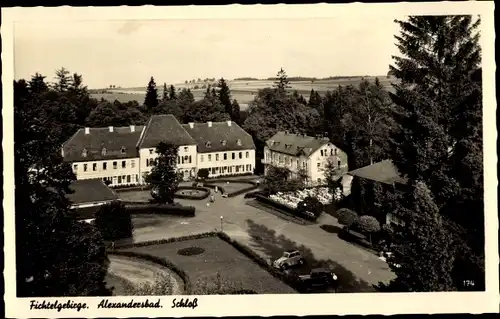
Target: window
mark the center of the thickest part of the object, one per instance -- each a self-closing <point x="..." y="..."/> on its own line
<point x="230" y="169"/>
<point x="128" y="178"/>
<point x="123" y="150"/>
<point x="335" y="151"/>
<point x="119" y="179"/>
<point x="213" y="170"/>
<point x="237" y="169"/>
<point x="209" y="157"/>
<point x="94" y="167"/>
<point x="240" y="155"/>
<point x="84" y="152"/>
<point x="297" y="163"/>
<point x="84" y="167"/>
<point x="103" y="152"/>
<point x="178" y="159"/>
<point x="151" y="151"/>
<point x="124" y="164"/>
<point x="319" y="165"/>
<point x="238" y="142"/>
<point x="132" y="163"/>
<point x="331" y="151"/>
<point x="233" y="155"/>
<point x="189" y="159"/>
<point x="182" y="160"/>
<point x="201" y="158"/>
<point x="208" y="144"/>
<point x="321" y="152"/>
<point x="225" y="156"/>
<point x="223" y="142"/>
<point x="75" y="167"/>
<point x="216" y="157"/>
<point x="104" y="166"/>
<point x="339" y="163"/>
<point x="247" y="154"/>
<point x="185" y="149"/>
<point x="115" y="165"/>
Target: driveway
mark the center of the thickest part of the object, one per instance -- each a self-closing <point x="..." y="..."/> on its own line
<point x="269" y="235"/>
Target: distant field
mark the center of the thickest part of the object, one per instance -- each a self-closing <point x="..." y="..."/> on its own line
<point x="243" y="91"/>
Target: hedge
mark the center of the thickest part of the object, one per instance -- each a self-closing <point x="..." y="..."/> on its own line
<point x="163" y="262"/>
<point x="289" y="280"/>
<point x="166" y="209"/>
<point x="285" y="209"/>
<point x="193" y="197"/>
<point x="166" y="240"/>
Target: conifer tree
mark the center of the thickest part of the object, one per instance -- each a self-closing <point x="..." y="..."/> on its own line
<point x="282" y="83"/>
<point x="165" y="92"/>
<point x="235" y="112"/>
<point x="224" y="96"/>
<point x="151" y="99"/>
<point x="439" y="136"/>
<point x="172" y="95"/>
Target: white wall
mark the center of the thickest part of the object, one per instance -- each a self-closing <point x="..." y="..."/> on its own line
<point x="229" y="166"/>
<point x="95" y="169"/>
<point x="185" y="151"/>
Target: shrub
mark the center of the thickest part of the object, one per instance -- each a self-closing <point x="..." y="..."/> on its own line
<point x="203" y="173"/>
<point x="347" y="217"/>
<point x="166" y="209"/>
<point x="114" y="222"/>
<point x="312" y="205"/>
<point x="167" y="240"/>
<point x="161" y="286"/>
<point x="368" y="224"/>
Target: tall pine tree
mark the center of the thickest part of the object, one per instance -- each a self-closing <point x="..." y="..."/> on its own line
<point x="151" y="99"/>
<point x="224" y="96"/>
<point x="172" y="95"/>
<point x="439" y="135"/>
<point x="165" y="92"/>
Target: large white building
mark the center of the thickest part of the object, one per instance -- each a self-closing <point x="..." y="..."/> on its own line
<point x="306" y="153"/>
<point x="122" y="155"/>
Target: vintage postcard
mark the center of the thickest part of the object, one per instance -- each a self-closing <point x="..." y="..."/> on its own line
<point x="249" y="160"/>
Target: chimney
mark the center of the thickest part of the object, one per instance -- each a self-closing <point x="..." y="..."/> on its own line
<point x="87" y="130"/>
<point x="209" y="124"/>
<point x="191" y="124"/>
<point x="228" y="123"/>
<point x="111" y="129"/>
<point x="132" y="128"/>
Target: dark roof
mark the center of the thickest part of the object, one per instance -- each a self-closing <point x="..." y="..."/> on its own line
<point x="295" y="144"/>
<point x="99" y="138"/>
<point x="382" y="172"/>
<point x="90" y="191"/>
<point x="219" y="131"/>
<point x="161" y="128"/>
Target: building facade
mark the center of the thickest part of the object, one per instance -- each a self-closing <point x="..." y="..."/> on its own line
<point x="123" y="155"/>
<point x="305" y="154"/>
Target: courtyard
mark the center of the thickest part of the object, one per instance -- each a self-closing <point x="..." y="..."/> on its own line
<point x="269" y="235"/>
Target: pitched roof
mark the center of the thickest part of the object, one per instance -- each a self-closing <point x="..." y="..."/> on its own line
<point x="234" y="136"/>
<point x="161" y="128"/>
<point x="90" y="191"/>
<point x="120" y="143"/>
<point x="295" y="144"/>
<point x="382" y="172"/>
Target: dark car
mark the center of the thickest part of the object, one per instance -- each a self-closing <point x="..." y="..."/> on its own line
<point x="318" y="278"/>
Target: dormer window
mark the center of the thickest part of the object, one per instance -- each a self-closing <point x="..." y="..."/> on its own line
<point x="208" y="144"/>
<point x="103" y="152"/>
<point x="84" y="152"/>
<point x="123" y="150"/>
<point x="288" y="146"/>
<point x="238" y="142"/>
<point x="223" y="142"/>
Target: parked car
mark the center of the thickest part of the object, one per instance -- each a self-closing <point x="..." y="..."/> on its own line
<point x="224" y="195"/>
<point x="289" y="259"/>
<point x="319" y="278"/>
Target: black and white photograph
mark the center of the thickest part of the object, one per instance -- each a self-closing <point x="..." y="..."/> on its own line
<point x="174" y="159"/>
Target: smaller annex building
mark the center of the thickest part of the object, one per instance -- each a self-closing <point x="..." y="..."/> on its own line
<point x="87" y="197"/>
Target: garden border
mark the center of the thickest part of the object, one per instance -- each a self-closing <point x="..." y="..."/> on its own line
<point x="160" y="261"/>
<point x="254" y="185"/>
<point x="204" y="196"/>
<point x="290" y="212"/>
<point x="139" y="208"/>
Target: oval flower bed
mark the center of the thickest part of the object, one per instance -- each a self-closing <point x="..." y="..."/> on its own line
<point x="196" y="193"/>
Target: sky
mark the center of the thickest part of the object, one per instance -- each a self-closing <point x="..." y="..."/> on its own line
<point x="127" y="53"/>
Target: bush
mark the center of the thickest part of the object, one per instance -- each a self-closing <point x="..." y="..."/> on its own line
<point x="203" y="173"/>
<point x="254" y="194"/>
<point x="347" y="217"/>
<point x="114" y="222"/>
<point x="165" y="209"/>
<point x="167" y="240"/>
<point x="368" y="225"/>
<point x="312" y="205"/>
<point x="162" y="286"/>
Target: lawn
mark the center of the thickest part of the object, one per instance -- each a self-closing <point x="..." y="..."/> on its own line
<point x="135" y="196"/>
<point x="237" y="270"/>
